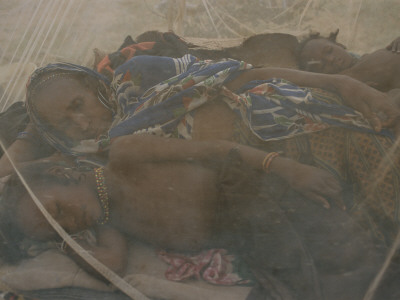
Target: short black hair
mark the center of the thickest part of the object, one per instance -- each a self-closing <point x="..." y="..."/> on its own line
<point x="313" y="36"/>
<point x="11" y="235"/>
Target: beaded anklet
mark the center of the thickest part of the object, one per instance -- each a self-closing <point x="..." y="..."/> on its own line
<point x="102" y="195"/>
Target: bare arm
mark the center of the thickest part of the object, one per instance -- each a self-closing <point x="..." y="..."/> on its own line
<point x="111" y="250"/>
<point x="19" y="151"/>
<point x="367" y="100"/>
<point x="316" y="184"/>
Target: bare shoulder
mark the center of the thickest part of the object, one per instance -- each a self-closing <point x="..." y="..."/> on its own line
<point x="214" y="120"/>
<point x="380" y="69"/>
<point x="126" y="149"/>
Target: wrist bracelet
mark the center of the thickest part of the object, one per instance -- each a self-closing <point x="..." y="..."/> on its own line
<point x="268" y="159"/>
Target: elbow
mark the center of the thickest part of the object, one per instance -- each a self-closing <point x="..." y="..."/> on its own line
<point x="119" y="265"/>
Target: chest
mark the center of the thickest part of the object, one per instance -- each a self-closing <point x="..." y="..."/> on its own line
<point x="171" y="205"/>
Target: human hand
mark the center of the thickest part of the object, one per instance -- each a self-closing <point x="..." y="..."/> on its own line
<point x="394" y="46"/>
<point x="314" y="183"/>
<point x="376" y="107"/>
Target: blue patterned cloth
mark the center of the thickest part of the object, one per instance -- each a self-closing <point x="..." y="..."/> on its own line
<point x="273" y="109"/>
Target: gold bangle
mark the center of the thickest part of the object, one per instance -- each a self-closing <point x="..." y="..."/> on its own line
<point x="265" y="160"/>
<point x="268" y="159"/>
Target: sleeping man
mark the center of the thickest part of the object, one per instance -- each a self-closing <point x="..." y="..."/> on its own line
<point x="379" y="69"/>
<point x="190" y="195"/>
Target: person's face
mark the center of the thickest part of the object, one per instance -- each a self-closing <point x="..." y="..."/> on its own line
<point x="72" y="109"/>
<point x="324" y="56"/>
<point x="74" y="206"/>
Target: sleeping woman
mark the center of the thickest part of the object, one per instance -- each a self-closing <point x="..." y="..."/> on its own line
<point x="77" y="111"/>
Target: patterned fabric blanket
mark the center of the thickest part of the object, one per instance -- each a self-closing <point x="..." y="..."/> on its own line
<point x="273" y="109"/>
<point x="159" y="95"/>
<point x="152" y="43"/>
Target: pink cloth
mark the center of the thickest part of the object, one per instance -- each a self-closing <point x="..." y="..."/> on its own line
<point x="214" y="266"/>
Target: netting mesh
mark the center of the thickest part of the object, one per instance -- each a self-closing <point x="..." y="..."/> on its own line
<point x="35" y="33"/>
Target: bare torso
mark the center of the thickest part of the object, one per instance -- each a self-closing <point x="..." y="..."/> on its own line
<point x="380" y="69"/>
<point x="171" y="205"/>
<point x="214" y="120"/>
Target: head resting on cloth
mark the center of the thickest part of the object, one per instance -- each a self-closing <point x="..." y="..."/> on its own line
<point x="68" y="104"/>
<point x="66" y="193"/>
<point x="324" y="55"/>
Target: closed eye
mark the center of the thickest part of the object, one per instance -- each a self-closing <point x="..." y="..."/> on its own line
<point x="76" y="104"/>
<point x="315" y="65"/>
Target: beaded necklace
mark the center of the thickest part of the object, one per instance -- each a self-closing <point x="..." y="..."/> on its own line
<point x="102" y="195"/>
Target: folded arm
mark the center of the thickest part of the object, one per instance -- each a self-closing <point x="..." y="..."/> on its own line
<point x="22" y="150"/>
<point x="314" y="183"/>
<point x="373" y="104"/>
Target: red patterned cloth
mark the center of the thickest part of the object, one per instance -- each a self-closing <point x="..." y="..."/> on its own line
<point x="111" y="61"/>
<point x="152" y="43"/>
<point x="214" y="266"/>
